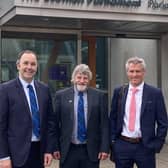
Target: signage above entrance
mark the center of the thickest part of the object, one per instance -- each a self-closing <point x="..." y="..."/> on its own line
<point x="158" y="4"/>
<point x="121" y="3"/>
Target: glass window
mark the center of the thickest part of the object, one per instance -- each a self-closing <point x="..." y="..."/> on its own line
<point x="123" y="48"/>
<point x="100" y="59"/>
<point x="85" y="54"/>
<point x="56" y="59"/>
<point x="101" y="63"/>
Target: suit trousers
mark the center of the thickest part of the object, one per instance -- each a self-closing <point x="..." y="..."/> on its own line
<point x="34" y="159"/>
<point x="126" y="154"/>
<point x="77" y="157"/>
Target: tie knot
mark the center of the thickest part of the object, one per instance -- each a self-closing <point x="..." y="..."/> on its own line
<point x="29" y="86"/>
<point x="80" y="94"/>
<point x="134" y="90"/>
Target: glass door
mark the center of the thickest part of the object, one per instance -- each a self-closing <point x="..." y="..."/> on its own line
<point x="94" y="54"/>
<point x="89" y="55"/>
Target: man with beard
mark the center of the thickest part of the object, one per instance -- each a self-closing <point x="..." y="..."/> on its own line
<point x="80" y="129"/>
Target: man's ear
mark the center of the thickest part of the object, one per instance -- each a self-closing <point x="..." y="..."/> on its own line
<point x="17" y="66"/>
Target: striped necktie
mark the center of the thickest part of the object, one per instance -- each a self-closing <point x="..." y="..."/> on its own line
<point x="35" y="112"/>
<point x="81" y="128"/>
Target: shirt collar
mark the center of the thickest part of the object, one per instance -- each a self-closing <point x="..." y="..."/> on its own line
<point x="24" y="83"/>
<point x="139" y="87"/>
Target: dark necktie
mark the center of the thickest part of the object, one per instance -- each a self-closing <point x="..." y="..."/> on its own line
<point x="81" y="128"/>
<point x="35" y="112"/>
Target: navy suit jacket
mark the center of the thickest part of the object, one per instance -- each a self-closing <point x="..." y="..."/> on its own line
<point x="153" y="118"/>
<point x="97" y="124"/>
<point x="16" y="121"/>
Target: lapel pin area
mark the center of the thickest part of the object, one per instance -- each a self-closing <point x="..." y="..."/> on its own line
<point x="70" y="101"/>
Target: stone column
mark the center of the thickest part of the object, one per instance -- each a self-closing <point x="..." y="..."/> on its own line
<point x="164" y="68"/>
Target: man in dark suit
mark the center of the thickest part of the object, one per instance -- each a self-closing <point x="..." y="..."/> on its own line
<point x="80" y="142"/>
<point x="23" y="135"/>
<point x="138" y="119"/>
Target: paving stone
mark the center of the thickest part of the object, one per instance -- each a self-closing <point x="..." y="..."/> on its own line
<point x="161" y="160"/>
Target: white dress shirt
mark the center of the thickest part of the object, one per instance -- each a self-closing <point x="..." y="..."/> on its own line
<point x="26" y="90"/>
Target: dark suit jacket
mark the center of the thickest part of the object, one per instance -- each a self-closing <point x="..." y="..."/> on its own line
<point x="16" y="121"/>
<point x="97" y="126"/>
<point x="153" y="120"/>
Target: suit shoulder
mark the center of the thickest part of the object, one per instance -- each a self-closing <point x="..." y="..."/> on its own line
<point x="118" y="88"/>
<point x="9" y="83"/>
<point x="41" y="84"/>
<point x="152" y="88"/>
<point x="97" y="91"/>
<point x="64" y="90"/>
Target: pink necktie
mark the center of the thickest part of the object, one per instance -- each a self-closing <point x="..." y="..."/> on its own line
<point x="132" y="114"/>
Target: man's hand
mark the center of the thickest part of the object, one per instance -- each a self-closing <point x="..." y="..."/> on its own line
<point x="5" y="163"/>
<point x="57" y="155"/>
<point x="102" y="156"/>
<point x="47" y="159"/>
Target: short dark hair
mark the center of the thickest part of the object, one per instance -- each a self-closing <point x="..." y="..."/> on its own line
<point x="24" y="52"/>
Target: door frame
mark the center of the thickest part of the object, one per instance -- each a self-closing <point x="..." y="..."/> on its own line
<point x="91" y="40"/>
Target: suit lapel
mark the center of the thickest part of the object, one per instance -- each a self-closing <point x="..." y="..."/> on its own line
<point x="22" y="95"/>
<point x="39" y="97"/>
<point x="123" y="101"/>
<point x="90" y="99"/>
<point x="70" y="101"/>
<point x="144" y="98"/>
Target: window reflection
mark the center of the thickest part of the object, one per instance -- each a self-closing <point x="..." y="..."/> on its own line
<point x="56" y="59"/>
<point x="101" y="60"/>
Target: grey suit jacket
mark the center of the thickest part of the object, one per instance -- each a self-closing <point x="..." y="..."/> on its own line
<point x="97" y="124"/>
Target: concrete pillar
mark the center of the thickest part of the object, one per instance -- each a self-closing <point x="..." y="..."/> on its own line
<point x="164" y="68"/>
<point x="0" y="56"/>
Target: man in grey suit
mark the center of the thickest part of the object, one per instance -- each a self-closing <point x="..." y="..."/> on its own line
<point x="80" y="135"/>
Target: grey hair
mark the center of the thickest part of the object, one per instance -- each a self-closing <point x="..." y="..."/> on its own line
<point x="83" y="69"/>
<point x="135" y="60"/>
<point x="24" y="52"/>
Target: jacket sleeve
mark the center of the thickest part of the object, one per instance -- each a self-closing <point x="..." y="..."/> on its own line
<point x="113" y="115"/>
<point x="53" y="128"/>
<point x="105" y="140"/>
<point x="4" y="148"/>
<point x="162" y="122"/>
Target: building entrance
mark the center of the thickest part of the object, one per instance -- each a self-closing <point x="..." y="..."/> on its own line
<point x="57" y="56"/>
